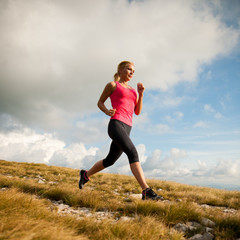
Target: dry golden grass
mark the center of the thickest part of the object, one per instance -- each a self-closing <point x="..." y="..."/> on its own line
<point x="25" y="217"/>
<point x="25" y="212"/>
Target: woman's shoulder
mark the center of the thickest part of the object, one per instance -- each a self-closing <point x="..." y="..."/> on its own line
<point x="111" y="86"/>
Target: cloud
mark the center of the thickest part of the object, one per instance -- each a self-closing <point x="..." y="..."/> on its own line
<point x="155" y="161"/>
<point x="200" y="124"/>
<point x="56" y="57"/>
<point x="172" y="167"/>
<point x="74" y="156"/>
<point x="208" y="109"/>
<point x="25" y="145"/>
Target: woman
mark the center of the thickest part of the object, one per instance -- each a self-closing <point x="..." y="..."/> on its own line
<point x="125" y="102"/>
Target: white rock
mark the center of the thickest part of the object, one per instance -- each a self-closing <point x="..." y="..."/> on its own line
<point x="207" y="236"/>
<point x="210" y="230"/>
<point x="136" y="196"/>
<point x="232" y="211"/>
<point x="207" y="222"/>
<point x="166" y="201"/>
<point x="126" y="218"/>
<point x="40" y="181"/>
<point x="181" y="227"/>
<point x="197" y="237"/>
<point x="194" y="224"/>
<point x="53" y="183"/>
<point x="205" y="206"/>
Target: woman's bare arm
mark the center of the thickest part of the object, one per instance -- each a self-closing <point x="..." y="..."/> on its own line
<point x="138" y="107"/>
<point x="109" y="88"/>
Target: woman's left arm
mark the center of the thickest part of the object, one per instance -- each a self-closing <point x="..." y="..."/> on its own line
<point x="138" y="107"/>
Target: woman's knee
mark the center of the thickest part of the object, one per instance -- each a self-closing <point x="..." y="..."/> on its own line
<point x="133" y="156"/>
<point x="106" y="163"/>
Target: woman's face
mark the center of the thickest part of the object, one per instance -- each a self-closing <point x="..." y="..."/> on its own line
<point x="127" y="72"/>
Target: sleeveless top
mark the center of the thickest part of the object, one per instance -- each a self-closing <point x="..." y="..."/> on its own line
<point x="124" y="101"/>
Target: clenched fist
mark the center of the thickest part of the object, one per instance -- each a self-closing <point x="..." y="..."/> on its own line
<point x="140" y="88"/>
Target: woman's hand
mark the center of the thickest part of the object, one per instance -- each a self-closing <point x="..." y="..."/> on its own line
<point x="111" y="112"/>
<point x="140" y="88"/>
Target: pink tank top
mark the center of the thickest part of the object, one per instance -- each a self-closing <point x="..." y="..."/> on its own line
<point x="124" y="101"/>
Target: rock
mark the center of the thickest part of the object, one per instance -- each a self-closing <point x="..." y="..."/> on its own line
<point x="53" y="183"/>
<point x="207" y="236"/>
<point x="126" y="219"/>
<point x="136" y="196"/>
<point x="166" y="201"/>
<point x="205" y="206"/>
<point x="197" y="237"/>
<point x="194" y="224"/>
<point x="40" y="181"/>
<point x="210" y="230"/>
<point x="231" y="211"/>
<point x="181" y="227"/>
<point x="64" y="209"/>
<point x="115" y="191"/>
<point x="207" y="222"/>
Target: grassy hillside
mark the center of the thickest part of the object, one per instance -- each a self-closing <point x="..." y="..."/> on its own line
<point x="43" y="202"/>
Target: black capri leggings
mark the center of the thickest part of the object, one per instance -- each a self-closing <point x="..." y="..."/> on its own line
<point x="119" y="133"/>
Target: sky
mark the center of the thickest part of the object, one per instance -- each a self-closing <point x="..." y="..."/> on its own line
<point x="57" y="56"/>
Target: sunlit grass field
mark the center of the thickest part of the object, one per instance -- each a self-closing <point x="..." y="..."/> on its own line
<point x="27" y="212"/>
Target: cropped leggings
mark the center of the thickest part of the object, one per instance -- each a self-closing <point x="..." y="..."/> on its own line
<point x="119" y="133"/>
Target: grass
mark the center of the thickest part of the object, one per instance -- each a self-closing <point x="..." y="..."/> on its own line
<point x="25" y="209"/>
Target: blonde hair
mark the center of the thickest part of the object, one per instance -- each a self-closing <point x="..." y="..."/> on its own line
<point x="121" y="66"/>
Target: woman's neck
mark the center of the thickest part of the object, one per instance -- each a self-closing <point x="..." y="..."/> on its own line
<point x="124" y="83"/>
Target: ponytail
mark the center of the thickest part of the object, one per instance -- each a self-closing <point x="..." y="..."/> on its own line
<point x="116" y="77"/>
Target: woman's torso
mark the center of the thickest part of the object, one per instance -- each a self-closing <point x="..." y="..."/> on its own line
<point x="124" y="101"/>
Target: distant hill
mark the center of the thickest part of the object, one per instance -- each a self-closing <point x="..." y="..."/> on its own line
<point x="43" y="202"/>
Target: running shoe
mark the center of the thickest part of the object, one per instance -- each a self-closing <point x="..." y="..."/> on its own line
<point x="83" y="178"/>
<point x="150" y="194"/>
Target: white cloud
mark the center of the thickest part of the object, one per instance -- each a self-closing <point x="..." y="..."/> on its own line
<point x="179" y="115"/>
<point x="224" y="172"/>
<point x="141" y="153"/>
<point x="161" y="128"/>
<point x="200" y="124"/>
<point x="176" y="117"/>
<point x="74" y="156"/>
<point x="218" y="115"/>
<point x="58" y="56"/>
<point x="28" y="146"/>
<point x="209" y="109"/>
<point x="168" y="163"/>
<point x="173" y="102"/>
<point x="25" y="145"/>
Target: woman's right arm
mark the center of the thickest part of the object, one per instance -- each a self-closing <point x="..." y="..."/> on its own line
<point x="110" y="87"/>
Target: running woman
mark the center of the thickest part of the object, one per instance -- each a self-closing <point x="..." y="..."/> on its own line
<point x="125" y="101"/>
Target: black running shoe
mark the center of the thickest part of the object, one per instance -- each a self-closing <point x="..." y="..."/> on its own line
<point x="150" y="194"/>
<point x="83" y="178"/>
